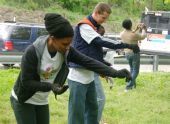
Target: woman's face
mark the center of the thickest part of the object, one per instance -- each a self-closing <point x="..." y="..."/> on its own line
<point x="59" y="44"/>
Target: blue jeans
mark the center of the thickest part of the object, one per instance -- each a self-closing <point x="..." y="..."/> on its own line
<point x="100" y="96"/>
<point x="134" y="63"/>
<point x="82" y="108"/>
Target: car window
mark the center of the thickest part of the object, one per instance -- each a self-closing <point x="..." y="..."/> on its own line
<point x="41" y="31"/>
<point x="22" y="33"/>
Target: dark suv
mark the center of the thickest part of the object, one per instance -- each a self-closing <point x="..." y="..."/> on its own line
<point x="15" y="37"/>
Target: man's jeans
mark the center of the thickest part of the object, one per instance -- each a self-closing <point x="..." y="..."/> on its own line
<point x="134" y="63"/>
<point x="83" y="108"/>
<point x="100" y="96"/>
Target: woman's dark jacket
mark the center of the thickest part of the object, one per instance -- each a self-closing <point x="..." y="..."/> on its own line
<point x="28" y="81"/>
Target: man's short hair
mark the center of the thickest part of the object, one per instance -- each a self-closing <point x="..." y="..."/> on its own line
<point x="127" y="24"/>
<point x="102" y="7"/>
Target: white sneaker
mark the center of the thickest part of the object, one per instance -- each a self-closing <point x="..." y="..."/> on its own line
<point x="125" y="90"/>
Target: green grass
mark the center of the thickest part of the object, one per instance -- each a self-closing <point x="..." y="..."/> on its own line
<point x="148" y="104"/>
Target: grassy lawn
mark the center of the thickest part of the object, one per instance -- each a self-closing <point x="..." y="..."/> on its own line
<point x="149" y="103"/>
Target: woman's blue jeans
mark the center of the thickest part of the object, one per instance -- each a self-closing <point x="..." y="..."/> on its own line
<point x="134" y="63"/>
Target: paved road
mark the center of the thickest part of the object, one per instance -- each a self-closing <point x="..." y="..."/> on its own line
<point x="143" y="68"/>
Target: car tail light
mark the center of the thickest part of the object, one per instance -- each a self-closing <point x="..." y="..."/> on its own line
<point x="8" y="45"/>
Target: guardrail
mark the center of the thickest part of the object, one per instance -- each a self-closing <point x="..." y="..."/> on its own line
<point x="147" y="57"/>
<point x="156" y="56"/>
<point x="154" y="60"/>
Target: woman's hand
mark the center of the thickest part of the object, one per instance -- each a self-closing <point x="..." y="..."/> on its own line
<point x="58" y="90"/>
<point x="124" y="73"/>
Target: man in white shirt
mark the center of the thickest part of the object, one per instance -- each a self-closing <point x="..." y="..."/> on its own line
<point x="83" y="104"/>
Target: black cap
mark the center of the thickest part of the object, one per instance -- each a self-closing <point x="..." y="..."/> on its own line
<point x="58" y="26"/>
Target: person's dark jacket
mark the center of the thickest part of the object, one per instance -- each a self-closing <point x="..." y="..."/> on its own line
<point x="28" y="81"/>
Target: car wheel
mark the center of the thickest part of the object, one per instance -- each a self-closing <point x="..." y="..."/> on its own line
<point x="8" y="65"/>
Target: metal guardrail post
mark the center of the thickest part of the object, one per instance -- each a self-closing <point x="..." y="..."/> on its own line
<point x="155" y="63"/>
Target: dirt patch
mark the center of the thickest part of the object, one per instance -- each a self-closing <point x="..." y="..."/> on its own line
<point x="8" y="14"/>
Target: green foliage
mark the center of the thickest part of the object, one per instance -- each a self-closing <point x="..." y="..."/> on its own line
<point x="32" y="5"/>
<point x="28" y="4"/>
<point x="159" y="5"/>
<point x="83" y="6"/>
<point x="118" y="3"/>
<point x="2" y="2"/>
<point x="132" y="7"/>
<point x="39" y="3"/>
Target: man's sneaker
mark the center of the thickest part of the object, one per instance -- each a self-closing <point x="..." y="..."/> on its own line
<point x="126" y="90"/>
